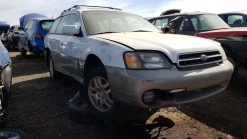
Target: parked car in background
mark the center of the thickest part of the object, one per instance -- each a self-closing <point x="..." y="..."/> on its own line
<point x="211" y="26"/>
<point x="4" y="38"/>
<point x="235" y="19"/>
<point x="4" y="27"/>
<point x="13" y="35"/>
<point x="31" y="38"/>
<point x="120" y="57"/>
<point x="6" y="77"/>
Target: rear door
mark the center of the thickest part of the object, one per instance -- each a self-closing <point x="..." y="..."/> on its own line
<point x="53" y="42"/>
<point x="61" y="44"/>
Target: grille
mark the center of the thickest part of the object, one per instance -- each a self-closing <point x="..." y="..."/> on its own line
<point x="199" y="59"/>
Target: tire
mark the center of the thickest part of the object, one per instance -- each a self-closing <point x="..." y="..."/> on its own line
<point x="5" y="98"/>
<point x="12" y="133"/>
<point x="55" y="75"/>
<point x="234" y="60"/>
<point x="23" y="52"/>
<point x="81" y="114"/>
<point x="101" y="111"/>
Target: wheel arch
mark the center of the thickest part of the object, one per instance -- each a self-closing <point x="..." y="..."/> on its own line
<point x="92" y="61"/>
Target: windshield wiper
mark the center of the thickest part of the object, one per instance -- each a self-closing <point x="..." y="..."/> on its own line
<point x="141" y="31"/>
<point x="106" y="32"/>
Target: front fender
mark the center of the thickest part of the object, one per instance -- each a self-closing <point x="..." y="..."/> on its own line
<point x="110" y="53"/>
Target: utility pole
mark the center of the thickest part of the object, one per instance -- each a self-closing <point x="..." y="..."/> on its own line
<point x="54" y="13"/>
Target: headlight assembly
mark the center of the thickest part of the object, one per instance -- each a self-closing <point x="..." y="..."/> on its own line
<point x="146" y="60"/>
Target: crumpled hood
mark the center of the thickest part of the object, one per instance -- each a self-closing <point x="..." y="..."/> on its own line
<point x="230" y="32"/>
<point x="170" y="44"/>
<point x="4" y="56"/>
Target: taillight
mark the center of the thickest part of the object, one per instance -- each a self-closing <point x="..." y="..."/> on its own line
<point x="38" y="36"/>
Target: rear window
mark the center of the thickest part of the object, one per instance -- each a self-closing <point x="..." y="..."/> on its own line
<point x="46" y="25"/>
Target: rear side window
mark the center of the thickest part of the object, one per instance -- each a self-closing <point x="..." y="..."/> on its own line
<point x="26" y="26"/>
<point x="235" y="19"/>
<point x="74" y="20"/>
<point x="54" y="25"/>
<point x="46" y="25"/>
<point x="30" y="26"/>
<point x="61" y="24"/>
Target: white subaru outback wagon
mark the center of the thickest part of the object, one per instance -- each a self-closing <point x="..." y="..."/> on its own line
<point x="120" y="58"/>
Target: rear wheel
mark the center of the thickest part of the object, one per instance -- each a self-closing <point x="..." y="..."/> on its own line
<point x="23" y="52"/>
<point x="55" y="75"/>
<point x="97" y="93"/>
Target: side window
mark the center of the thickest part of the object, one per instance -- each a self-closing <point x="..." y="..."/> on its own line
<point x="235" y="20"/>
<point x="61" y="24"/>
<point x="185" y="25"/>
<point x="30" y="26"/>
<point x="54" y="25"/>
<point x="161" y="22"/>
<point x="74" y="20"/>
<point x="26" y="26"/>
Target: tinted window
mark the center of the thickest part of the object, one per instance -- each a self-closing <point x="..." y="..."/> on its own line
<point x="46" y="25"/>
<point x="74" y="20"/>
<point x="30" y="26"/>
<point x="222" y="17"/>
<point x="161" y="22"/>
<point x="54" y="25"/>
<point x="185" y="26"/>
<point x="61" y="24"/>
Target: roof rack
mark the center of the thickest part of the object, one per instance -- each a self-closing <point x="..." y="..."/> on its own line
<point x="88" y="6"/>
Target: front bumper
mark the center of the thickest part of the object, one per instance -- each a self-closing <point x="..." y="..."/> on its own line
<point x="128" y="86"/>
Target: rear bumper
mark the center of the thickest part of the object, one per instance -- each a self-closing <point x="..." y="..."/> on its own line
<point x="38" y="46"/>
<point x="128" y="86"/>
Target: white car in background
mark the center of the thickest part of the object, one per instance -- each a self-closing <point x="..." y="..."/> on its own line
<point x="120" y="58"/>
<point x="4" y="37"/>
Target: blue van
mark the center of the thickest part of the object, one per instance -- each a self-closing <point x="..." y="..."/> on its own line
<point x="31" y="38"/>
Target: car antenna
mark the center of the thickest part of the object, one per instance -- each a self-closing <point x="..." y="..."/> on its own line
<point x="53" y="13"/>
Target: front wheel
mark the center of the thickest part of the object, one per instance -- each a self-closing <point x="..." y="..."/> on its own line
<point x="231" y="57"/>
<point x="97" y="93"/>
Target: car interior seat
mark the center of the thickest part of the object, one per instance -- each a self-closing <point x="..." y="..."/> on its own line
<point x="237" y="22"/>
<point x="186" y="26"/>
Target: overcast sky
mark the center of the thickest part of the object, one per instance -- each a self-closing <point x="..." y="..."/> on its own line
<point x="12" y="10"/>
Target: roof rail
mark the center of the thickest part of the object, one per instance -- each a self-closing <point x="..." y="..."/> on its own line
<point x="76" y="6"/>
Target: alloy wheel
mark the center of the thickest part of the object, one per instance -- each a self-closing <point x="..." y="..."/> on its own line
<point x="99" y="93"/>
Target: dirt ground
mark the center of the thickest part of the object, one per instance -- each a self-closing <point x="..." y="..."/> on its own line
<point x="38" y="107"/>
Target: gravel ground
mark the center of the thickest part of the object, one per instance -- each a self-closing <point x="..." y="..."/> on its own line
<point x="38" y="107"/>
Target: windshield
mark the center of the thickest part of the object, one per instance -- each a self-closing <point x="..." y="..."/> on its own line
<point x="99" y="22"/>
<point x="208" y="22"/>
<point x="46" y="25"/>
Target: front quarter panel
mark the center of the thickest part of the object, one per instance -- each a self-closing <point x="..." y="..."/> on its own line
<point x="109" y="52"/>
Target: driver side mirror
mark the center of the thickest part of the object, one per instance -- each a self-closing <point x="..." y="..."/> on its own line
<point x="173" y="25"/>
